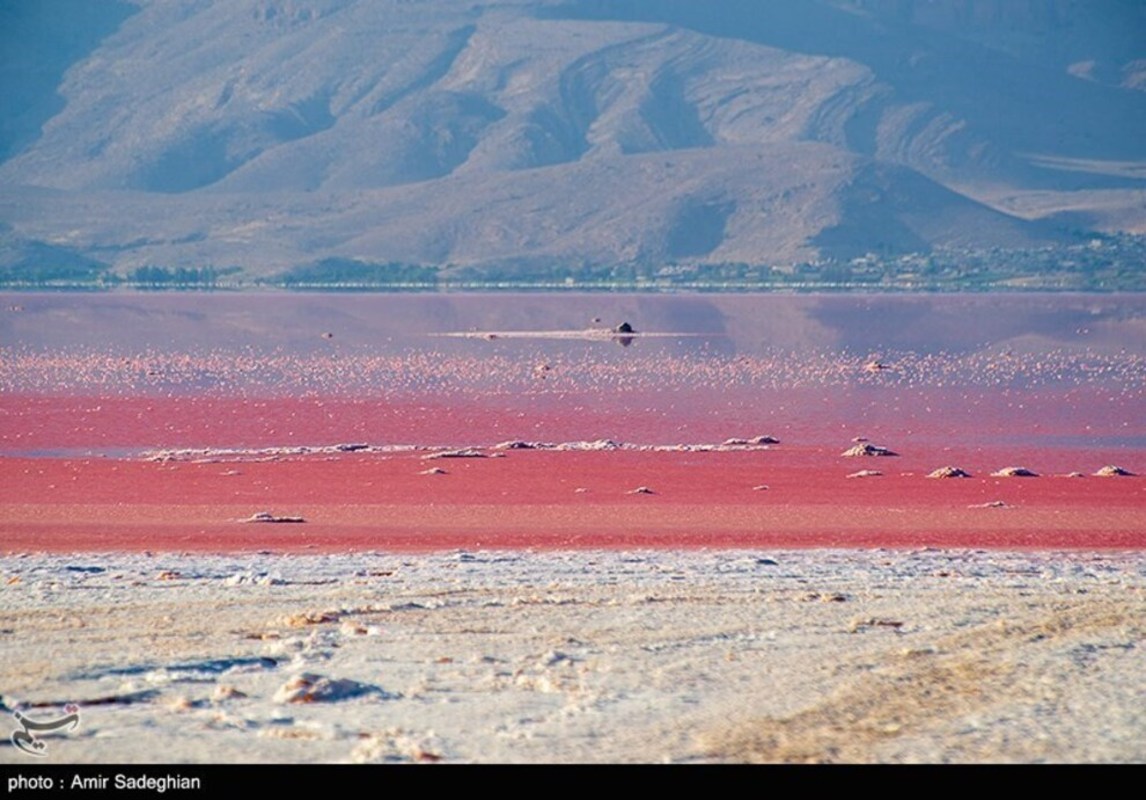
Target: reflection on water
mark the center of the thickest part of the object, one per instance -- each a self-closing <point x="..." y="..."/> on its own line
<point x="285" y="343"/>
<point x="718" y="324"/>
<point x="692" y="368"/>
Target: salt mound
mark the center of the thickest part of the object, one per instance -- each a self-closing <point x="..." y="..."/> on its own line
<point x="1110" y="471"/>
<point x="1014" y="472"/>
<point x="949" y="472"/>
<point x="868" y="449"/>
<point x="753" y="440"/>
<point x="599" y="444"/>
<point x="519" y="444"/>
<point x="311" y="688"/>
<point x="464" y="453"/>
<point x="737" y="441"/>
<point x="250" y="577"/>
<point x="642" y="490"/>
<point x="266" y="516"/>
<point x="866" y="473"/>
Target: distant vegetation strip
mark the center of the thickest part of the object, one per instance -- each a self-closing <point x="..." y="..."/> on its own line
<point x="1102" y="263"/>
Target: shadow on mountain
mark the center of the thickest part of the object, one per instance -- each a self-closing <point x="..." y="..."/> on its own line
<point x="39" y="42"/>
<point x="892" y="210"/>
<point x="697" y="228"/>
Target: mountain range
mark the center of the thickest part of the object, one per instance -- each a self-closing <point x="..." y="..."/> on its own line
<point x="518" y="134"/>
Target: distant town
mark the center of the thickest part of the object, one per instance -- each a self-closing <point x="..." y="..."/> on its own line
<point x="1097" y="263"/>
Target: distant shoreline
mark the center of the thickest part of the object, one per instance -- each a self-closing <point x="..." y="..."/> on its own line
<point x="1101" y="264"/>
<point x="580" y="288"/>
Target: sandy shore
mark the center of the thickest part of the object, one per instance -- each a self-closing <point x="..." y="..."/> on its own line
<point x="591" y="656"/>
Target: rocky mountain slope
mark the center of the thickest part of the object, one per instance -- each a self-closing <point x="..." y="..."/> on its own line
<point x="517" y="133"/>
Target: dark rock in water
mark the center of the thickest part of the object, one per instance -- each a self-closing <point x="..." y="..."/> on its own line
<point x="764" y="440"/>
<point x="624" y="327"/>
<point x="351" y="448"/>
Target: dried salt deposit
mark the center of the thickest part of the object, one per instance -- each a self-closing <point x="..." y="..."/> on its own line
<point x="949" y="472"/>
<point x="578" y="657"/>
<point x="1014" y="472"/>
